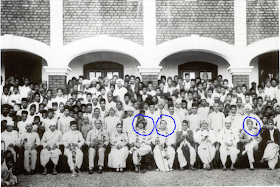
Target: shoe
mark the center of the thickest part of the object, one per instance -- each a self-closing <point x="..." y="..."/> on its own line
<point x="99" y="171"/>
<point x="269" y="169"/>
<point x="143" y="171"/>
<point x="26" y="172"/>
<point x="182" y="169"/>
<point x="192" y="168"/>
<point x="76" y="169"/>
<point x="136" y="169"/>
<point x="261" y="161"/>
<point x="224" y="168"/>
<point x="117" y="170"/>
<point x="232" y="169"/>
<point x="45" y="172"/>
<point x="54" y="172"/>
<point x="32" y="172"/>
<point x="157" y="169"/>
<point x="90" y="171"/>
<point x="121" y="170"/>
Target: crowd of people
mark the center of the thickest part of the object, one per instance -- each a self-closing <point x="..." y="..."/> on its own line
<point x="121" y="123"/>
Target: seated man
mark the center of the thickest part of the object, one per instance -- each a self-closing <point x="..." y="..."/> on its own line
<point x="7" y="176"/>
<point x="164" y="151"/>
<point x="139" y="145"/>
<point x="206" y="138"/>
<point x="29" y="140"/>
<point x="10" y="137"/>
<point x="186" y="151"/>
<point x="251" y="142"/>
<point x="97" y="140"/>
<point x="271" y="139"/>
<point x="51" y="141"/>
<point x="228" y="139"/>
<point x="73" y="141"/>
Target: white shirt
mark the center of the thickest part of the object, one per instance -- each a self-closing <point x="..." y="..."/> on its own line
<point x="216" y="121"/>
<point x="24" y="90"/>
<point x="64" y="123"/>
<point x="10" y="138"/>
<point x="111" y="123"/>
<point x="51" y="138"/>
<point x="120" y="93"/>
<point x="194" y="121"/>
<point x="70" y="137"/>
<point x="48" y="122"/>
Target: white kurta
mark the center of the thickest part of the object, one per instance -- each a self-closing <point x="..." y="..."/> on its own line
<point x="164" y="153"/>
<point x="231" y="137"/>
<point x="117" y="157"/>
<point x="111" y="123"/>
<point x="127" y="125"/>
<point x="194" y="121"/>
<point x="10" y="138"/>
<point x="64" y="123"/>
<point x="51" y="138"/>
<point x="216" y="121"/>
<point x="206" y="150"/>
<point x="74" y="155"/>
<point x="48" y="122"/>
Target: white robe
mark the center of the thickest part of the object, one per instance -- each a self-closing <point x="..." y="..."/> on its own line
<point x="50" y="138"/>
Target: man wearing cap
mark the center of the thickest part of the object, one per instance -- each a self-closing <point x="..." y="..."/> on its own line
<point x="50" y="142"/>
<point x="120" y="91"/>
<point x="73" y="141"/>
<point x="11" y="139"/>
<point x="206" y="138"/>
<point x="29" y="140"/>
<point x="228" y="138"/>
<point x="63" y="123"/>
<point x="111" y="121"/>
<point x="97" y="141"/>
<point x="250" y="142"/>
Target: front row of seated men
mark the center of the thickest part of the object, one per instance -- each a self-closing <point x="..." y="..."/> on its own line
<point x="162" y="144"/>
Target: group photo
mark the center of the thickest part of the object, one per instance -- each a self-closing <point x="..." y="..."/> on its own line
<point x="140" y="93"/>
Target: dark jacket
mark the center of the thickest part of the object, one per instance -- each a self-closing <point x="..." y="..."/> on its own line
<point x="180" y="137"/>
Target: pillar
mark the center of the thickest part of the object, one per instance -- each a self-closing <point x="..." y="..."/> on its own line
<point x="240" y="75"/>
<point x="57" y="78"/>
<point x="150" y="74"/>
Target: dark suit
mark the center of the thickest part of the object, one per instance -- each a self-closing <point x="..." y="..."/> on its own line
<point x="266" y="137"/>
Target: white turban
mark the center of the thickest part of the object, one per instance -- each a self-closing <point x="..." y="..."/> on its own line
<point x="120" y="81"/>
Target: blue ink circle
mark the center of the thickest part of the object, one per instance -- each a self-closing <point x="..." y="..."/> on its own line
<point x="258" y="123"/>
<point x="157" y="122"/>
<point x="138" y="132"/>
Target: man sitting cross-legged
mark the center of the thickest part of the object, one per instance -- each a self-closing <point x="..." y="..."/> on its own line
<point x="51" y="141"/>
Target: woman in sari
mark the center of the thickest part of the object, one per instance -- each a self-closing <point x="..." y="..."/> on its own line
<point x="119" y="151"/>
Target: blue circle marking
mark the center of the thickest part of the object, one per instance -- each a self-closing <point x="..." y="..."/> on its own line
<point x="157" y="122"/>
<point x="258" y="123"/>
<point x="138" y="132"/>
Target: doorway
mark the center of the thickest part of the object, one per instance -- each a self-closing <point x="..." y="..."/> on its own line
<point x="103" y="69"/>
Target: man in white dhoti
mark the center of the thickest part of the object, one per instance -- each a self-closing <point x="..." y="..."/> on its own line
<point x="29" y="140"/>
<point x="97" y="141"/>
<point x="206" y="138"/>
<point x="73" y="141"/>
<point x="271" y="139"/>
<point x="119" y="151"/>
<point x="186" y="151"/>
<point x="140" y="145"/>
<point x="51" y="141"/>
<point x="228" y="138"/>
<point x="164" y="151"/>
<point x="251" y="142"/>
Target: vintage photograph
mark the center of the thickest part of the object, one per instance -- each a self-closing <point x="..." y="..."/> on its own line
<point x="140" y="93"/>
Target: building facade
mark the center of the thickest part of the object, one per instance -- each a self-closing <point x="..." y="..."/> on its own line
<point x="148" y="38"/>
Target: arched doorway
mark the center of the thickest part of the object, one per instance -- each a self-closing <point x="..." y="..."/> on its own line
<point x="196" y="69"/>
<point x="21" y="64"/>
<point x="104" y="69"/>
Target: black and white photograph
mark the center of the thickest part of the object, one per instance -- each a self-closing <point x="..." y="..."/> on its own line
<point x="140" y="93"/>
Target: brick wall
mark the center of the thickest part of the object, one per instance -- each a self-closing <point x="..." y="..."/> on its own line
<point x="116" y="18"/>
<point x="57" y="81"/>
<point x="207" y="18"/>
<point x="153" y="78"/>
<point x="26" y="18"/>
<point x="262" y="19"/>
<point x="240" y="79"/>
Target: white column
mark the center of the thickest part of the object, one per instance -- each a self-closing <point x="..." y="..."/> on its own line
<point x="56" y="24"/>
<point x="240" y="27"/>
<point x="149" y="27"/>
